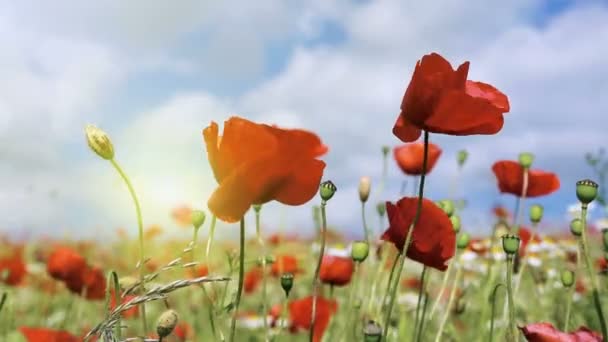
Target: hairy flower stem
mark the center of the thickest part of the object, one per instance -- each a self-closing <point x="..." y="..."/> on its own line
<point x="365" y="228"/>
<point x="140" y="229"/>
<point x="421" y="290"/>
<point x="408" y="238"/>
<point x="239" y="291"/>
<point x="493" y="300"/>
<point x="584" y="246"/>
<point x="264" y="280"/>
<point x="315" y="279"/>
<point x="512" y="332"/>
<point x="446" y="314"/>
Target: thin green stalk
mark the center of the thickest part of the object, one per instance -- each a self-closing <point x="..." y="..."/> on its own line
<point x="365" y="228"/>
<point x="520" y="203"/>
<point x="210" y="311"/>
<point x="384" y="256"/>
<point x="424" y="307"/>
<point x="570" y="293"/>
<point x="421" y="291"/>
<point x="282" y="318"/>
<point x="446" y="314"/>
<point x="264" y="277"/>
<point x="591" y="273"/>
<point x="3" y="300"/>
<point x="210" y="240"/>
<point x="512" y="332"/>
<point x="140" y="229"/>
<point x="444" y="284"/>
<point x="493" y="299"/>
<point x="408" y="239"/>
<point x="315" y="279"/>
<point x="241" y="280"/>
<point x="351" y="299"/>
<point x="391" y="276"/>
<point x="523" y="258"/>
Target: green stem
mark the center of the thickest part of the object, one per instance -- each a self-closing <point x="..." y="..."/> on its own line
<point x="384" y="256"/>
<point x="444" y="284"/>
<point x="493" y="299"/>
<point x="591" y="273"/>
<point x="523" y="258"/>
<point x="241" y="280"/>
<point x="315" y="279"/>
<point x="365" y="228"/>
<point x="520" y="203"/>
<point x="351" y="298"/>
<point x="194" y="242"/>
<point x="408" y="239"/>
<point x="282" y="318"/>
<point x="140" y="229"/>
<point x="446" y="314"/>
<point x="570" y="293"/>
<point x="210" y="240"/>
<point x="391" y="276"/>
<point x="264" y="280"/>
<point x="424" y="307"/>
<point x="512" y="333"/>
<point x="421" y="291"/>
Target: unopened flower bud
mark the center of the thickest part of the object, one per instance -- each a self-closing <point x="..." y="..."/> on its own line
<point x="536" y="213"/>
<point x="327" y="190"/>
<point x="456" y="225"/>
<point x="526" y="159"/>
<point x="166" y="323"/>
<point x="365" y="186"/>
<point x="510" y="244"/>
<point x="287" y="282"/>
<point x="372" y="332"/>
<point x="381" y="209"/>
<point x="99" y="142"/>
<point x="257" y="207"/>
<point x="463" y="241"/>
<point x="462" y="157"/>
<point x="567" y="277"/>
<point x="586" y="191"/>
<point x="198" y="218"/>
<point x="576" y="227"/>
<point x="359" y="251"/>
<point x="447" y="206"/>
<point x="385" y="150"/>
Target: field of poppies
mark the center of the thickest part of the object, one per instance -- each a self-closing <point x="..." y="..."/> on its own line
<point x="416" y="276"/>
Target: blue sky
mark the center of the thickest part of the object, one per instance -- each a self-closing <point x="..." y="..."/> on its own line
<point x="154" y="74"/>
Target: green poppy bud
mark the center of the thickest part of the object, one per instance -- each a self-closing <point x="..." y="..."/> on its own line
<point x="198" y="218"/>
<point x="462" y="241"/>
<point x="381" y="209"/>
<point x="372" y="332"/>
<point x="287" y="282"/>
<point x="166" y="323"/>
<point x="567" y="277"/>
<point x="586" y="191"/>
<point x="463" y="155"/>
<point x="510" y="244"/>
<point x="99" y="142"/>
<point x="327" y="190"/>
<point x="456" y="225"/>
<point x="536" y="213"/>
<point x="447" y="206"/>
<point x="359" y="251"/>
<point x="385" y="150"/>
<point x="576" y="227"/>
<point x="526" y="159"/>
<point x="257" y="207"/>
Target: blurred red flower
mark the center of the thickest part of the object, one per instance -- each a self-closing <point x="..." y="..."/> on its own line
<point x="440" y="99"/>
<point x="501" y="212"/>
<point x="411" y="283"/>
<point x="182" y="215"/>
<point x="525" y="235"/>
<point x="336" y="270"/>
<point x="433" y="240"/>
<point x="47" y="335"/>
<point x="132" y="312"/>
<point x="257" y="163"/>
<point x="252" y="279"/>
<point x="14" y="267"/>
<point x="65" y="263"/>
<point x="410" y="157"/>
<point x="284" y="264"/>
<point x="545" y="332"/>
<point x="300" y="314"/>
<point x="183" y="331"/>
<point x="510" y="176"/>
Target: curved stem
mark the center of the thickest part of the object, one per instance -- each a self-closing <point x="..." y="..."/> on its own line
<point x="140" y="229"/>
<point x="421" y="291"/>
<point x="315" y="279"/>
<point x="446" y="314"/>
<point x="591" y="273"/>
<point x="241" y="280"/>
<point x="444" y="284"/>
<point x="512" y="333"/>
<point x="408" y="239"/>
<point x="264" y="278"/>
<point x="493" y="299"/>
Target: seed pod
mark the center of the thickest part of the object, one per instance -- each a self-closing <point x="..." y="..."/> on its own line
<point x="166" y="323"/>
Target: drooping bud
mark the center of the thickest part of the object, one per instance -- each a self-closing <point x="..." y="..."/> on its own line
<point x="456" y="225"/>
<point x="526" y="159"/>
<point x="381" y="209"/>
<point x="359" y="251"/>
<point x="510" y="244"/>
<point x="287" y="282"/>
<point x="586" y="191"/>
<point x="198" y="218"/>
<point x="576" y="227"/>
<point x="567" y="277"/>
<point x="372" y="332"/>
<point x="327" y="190"/>
<point x="257" y="207"/>
<point x="536" y="213"/>
<point x="166" y="323"/>
<point x="463" y="155"/>
<point x="365" y="186"/>
<point x="99" y="142"/>
<point x="463" y="241"/>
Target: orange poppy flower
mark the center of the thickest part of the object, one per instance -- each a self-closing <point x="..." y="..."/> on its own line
<point x="183" y="331"/>
<point x="546" y="332"/>
<point x="284" y="264"/>
<point x="132" y="312"/>
<point x="501" y="212"/>
<point x="433" y="240"/>
<point x="182" y="216"/>
<point x="252" y="279"/>
<point x="256" y="163"/>
<point x="300" y="314"/>
<point x="510" y="176"/>
<point x="410" y="157"/>
<point x="440" y="99"/>
<point x="152" y="232"/>
<point x="200" y="271"/>
<point x="15" y="267"/>
<point x="47" y="335"/>
<point x="65" y="263"/>
<point x="336" y="270"/>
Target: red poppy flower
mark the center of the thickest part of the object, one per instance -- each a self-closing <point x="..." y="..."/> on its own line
<point x="525" y="235"/>
<point x="252" y="279"/>
<point x="15" y="267"/>
<point x="440" y="99"/>
<point x="132" y="312"/>
<point x="580" y="287"/>
<point x="433" y="240"/>
<point x="255" y="164"/>
<point x="479" y="246"/>
<point x="501" y="212"/>
<point x="410" y="157"/>
<point x="47" y="335"/>
<point x="510" y="176"/>
<point x="411" y="283"/>
<point x="545" y="332"/>
<point x="200" y="271"/>
<point x="183" y="331"/>
<point x="300" y="314"/>
<point x="336" y="270"/>
<point x="602" y="264"/>
<point x="284" y="264"/>
<point x="65" y="263"/>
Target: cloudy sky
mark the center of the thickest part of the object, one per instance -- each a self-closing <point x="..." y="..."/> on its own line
<point x="153" y="74"/>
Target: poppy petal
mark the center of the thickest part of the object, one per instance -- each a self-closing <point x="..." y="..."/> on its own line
<point x="302" y="184"/>
<point x="405" y="131"/>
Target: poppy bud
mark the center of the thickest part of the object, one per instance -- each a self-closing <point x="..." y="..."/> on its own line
<point x="381" y="209"/>
<point x="567" y="278"/>
<point x="455" y="219"/>
<point x="364" y="188"/>
<point x="576" y="227"/>
<point x="462" y="157"/>
<point x="586" y="191"/>
<point x="99" y="142"/>
<point x="447" y="206"/>
<point x="327" y="190"/>
<point x="605" y="238"/>
<point x="510" y="244"/>
<point x="526" y="159"/>
<point x="536" y="213"/>
<point x="385" y="150"/>
<point x="198" y="218"/>
<point x="359" y="251"/>
<point x="372" y="332"/>
<point x="166" y="323"/>
<point x="257" y="207"/>
<point x="287" y="282"/>
<point x="463" y="240"/>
